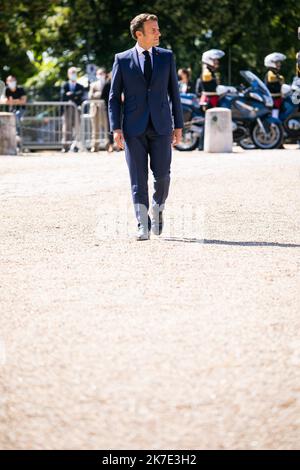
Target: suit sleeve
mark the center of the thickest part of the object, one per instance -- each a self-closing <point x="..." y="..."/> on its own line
<point x="105" y="92"/>
<point x="114" y="102"/>
<point x="173" y="90"/>
<point x="78" y="94"/>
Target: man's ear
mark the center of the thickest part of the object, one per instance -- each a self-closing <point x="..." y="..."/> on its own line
<point x="138" y="34"/>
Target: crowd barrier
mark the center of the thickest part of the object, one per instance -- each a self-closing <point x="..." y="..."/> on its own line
<point x="94" y="124"/>
<point x="51" y="125"/>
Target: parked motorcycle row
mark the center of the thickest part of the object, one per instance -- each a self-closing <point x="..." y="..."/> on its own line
<point x="254" y="123"/>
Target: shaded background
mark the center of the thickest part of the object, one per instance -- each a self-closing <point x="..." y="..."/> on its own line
<point x="40" y="39"/>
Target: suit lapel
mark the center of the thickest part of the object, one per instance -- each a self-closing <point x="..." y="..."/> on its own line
<point x="135" y="61"/>
<point x="155" y="56"/>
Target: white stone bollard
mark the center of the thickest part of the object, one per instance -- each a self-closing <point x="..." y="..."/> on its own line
<point x="8" y="141"/>
<point x="218" y="131"/>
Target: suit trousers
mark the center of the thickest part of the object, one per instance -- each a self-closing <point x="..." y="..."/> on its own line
<point x="159" y="149"/>
<point x="71" y="122"/>
<point x="99" y="123"/>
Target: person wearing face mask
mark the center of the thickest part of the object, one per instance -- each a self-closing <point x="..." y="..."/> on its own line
<point x="15" y="98"/>
<point x="71" y="91"/>
<point x="14" y="95"/>
<point x="97" y="112"/>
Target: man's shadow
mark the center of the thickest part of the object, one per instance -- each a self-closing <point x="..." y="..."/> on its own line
<point x="206" y="241"/>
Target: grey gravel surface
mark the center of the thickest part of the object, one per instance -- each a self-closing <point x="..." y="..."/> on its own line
<point x="188" y="341"/>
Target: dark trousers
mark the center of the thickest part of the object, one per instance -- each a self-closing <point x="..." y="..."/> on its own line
<point x="159" y="149"/>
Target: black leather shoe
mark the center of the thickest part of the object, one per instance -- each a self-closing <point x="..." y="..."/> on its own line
<point x="149" y="224"/>
<point x="142" y="233"/>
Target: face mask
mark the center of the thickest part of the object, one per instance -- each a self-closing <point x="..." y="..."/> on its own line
<point x="101" y="79"/>
<point x="73" y="77"/>
<point x="12" y="85"/>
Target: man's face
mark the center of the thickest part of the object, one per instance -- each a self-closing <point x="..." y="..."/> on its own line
<point x="11" y="83"/>
<point x="101" y="75"/>
<point x="72" y="74"/>
<point x="216" y="63"/>
<point x="278" y="65"/>
<point x="150" y="36"/>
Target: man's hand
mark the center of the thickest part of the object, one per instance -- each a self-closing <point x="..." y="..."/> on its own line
<point x="177" y="136"/>
<point x="119" y="139"/>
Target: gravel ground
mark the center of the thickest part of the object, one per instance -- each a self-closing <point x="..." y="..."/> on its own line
<point x="188" y="341"/>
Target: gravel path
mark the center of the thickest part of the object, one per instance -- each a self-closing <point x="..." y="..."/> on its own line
<point x="187" y="341"/>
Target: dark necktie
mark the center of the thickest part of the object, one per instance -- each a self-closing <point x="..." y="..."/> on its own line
<point x="147" y="67"/>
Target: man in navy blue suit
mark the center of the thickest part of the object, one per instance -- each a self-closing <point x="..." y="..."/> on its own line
<point x="149" y="121"/>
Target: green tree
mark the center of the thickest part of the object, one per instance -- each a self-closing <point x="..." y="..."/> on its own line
<point x="39" y="39"/>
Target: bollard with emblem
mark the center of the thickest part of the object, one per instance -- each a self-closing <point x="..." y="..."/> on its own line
<point x="218" y="131"/>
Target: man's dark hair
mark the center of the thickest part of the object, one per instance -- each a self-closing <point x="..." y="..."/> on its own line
<point x="137" y="24"/>
<point x="187" y="72"/>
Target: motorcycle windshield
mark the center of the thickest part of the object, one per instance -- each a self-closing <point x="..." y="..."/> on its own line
<point x="255" y="82"/>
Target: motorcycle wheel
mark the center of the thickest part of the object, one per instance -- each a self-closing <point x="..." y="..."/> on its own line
<point x="189" y="141"/>
<point x="247" y="144"/>
<point x="272" y="140"/>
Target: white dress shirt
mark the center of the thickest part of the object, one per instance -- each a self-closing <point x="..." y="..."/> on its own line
<point x="142" y="57"/>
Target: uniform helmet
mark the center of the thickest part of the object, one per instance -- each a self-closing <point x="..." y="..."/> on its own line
<point x="271" y="59"/>
<point x="208" y="57"/>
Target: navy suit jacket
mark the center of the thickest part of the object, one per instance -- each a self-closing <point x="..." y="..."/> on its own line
<point x="141" y="100"/>
<point x="77" y="94"/>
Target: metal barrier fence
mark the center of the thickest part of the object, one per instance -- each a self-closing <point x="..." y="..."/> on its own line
<point x="55" y="124"/>
<point x="94" y="124"/>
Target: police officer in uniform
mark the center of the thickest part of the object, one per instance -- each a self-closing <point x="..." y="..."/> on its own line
<point x="273" y="79"/>
<point x="210" y="78"/>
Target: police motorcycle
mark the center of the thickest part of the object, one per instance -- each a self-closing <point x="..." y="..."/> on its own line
<point x="252" y="122"/>
<point x="289" y="112"/>
<point x="193" y="117"/>
<point x="252" y="115"/>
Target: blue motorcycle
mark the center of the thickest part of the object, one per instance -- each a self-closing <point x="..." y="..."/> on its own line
<point x="289" y="113"/>
<point x="253" y="125"/>
<point x="193" y="117"/>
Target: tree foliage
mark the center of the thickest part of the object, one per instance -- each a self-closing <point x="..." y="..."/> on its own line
<point x="39" y="39"/>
